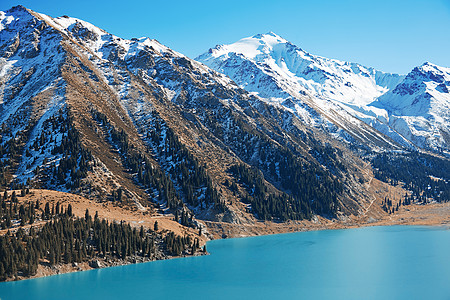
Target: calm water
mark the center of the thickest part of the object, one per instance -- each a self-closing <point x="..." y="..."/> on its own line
<point x="370" y="263"/>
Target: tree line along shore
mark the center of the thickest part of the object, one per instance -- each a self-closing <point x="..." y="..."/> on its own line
<point x="51" y="235"/>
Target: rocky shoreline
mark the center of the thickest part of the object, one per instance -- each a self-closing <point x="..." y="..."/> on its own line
<point x="45" y="269"/>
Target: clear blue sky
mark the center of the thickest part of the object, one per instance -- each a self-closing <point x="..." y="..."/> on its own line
<point x="393" y="36"/>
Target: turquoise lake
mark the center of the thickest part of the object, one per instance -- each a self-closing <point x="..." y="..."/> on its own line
<point x="400" y="262"/>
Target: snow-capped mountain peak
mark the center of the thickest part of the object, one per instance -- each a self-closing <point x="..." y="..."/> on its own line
<point x="250" y="47"/>
<point x="430" y="72"/>
<point x="423" y="85"/>
<point x="297" y="71"/>
<point x="419" y="107"/>
<point x="277" y="70"/>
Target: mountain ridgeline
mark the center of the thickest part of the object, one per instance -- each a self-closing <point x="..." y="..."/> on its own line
<point x="138" y="124"/>
<point x="409" y="111"/>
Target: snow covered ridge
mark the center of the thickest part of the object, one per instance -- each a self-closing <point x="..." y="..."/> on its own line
<point x="409" y="111"/>
<point x="404" y="108"/>
<point x="330" y="78"/>
<point x="419" y="107"/>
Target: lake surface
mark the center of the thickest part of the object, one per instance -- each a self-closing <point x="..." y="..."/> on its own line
<point x="400" y="262"/>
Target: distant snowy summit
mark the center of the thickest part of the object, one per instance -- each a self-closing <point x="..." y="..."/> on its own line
<point x="419" y="107"/>
<point x="403" y="108"/>
<point x="301" y="70"/>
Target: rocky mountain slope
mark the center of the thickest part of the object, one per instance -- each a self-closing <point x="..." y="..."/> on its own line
<point x="136" y="123"/>
<point x="321" y="91"/>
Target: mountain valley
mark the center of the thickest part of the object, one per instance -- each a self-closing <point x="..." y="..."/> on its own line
<point x="255" y="137"/>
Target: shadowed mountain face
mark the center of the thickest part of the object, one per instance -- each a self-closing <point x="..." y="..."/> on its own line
<point x="134" y="122"/>
<point x="400" y="110"/>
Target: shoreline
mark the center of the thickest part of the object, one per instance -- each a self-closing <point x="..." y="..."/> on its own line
<point x="435" y="214"/>
<point x="60" y="269"/>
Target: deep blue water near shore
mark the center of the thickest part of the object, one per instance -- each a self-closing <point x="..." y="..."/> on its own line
<point x="400" y="262"/>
